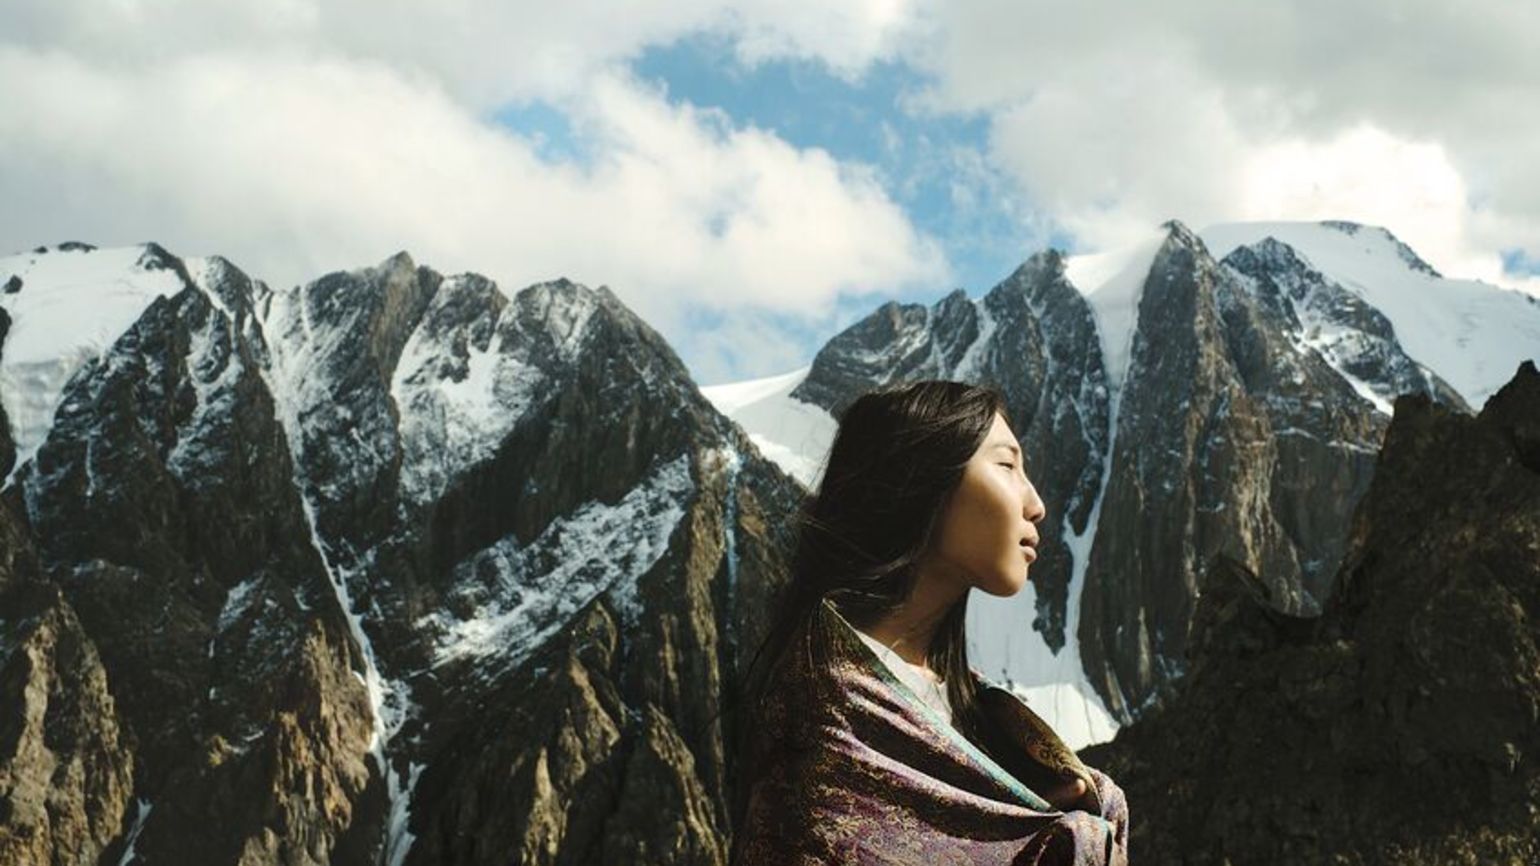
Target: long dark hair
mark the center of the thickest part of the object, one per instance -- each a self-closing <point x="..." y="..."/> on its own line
<point x="896" y="460"/>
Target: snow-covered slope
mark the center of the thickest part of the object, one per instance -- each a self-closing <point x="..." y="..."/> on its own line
<point x="1473" y="334"/>
<point x="458" y="393"/>
<point x="1005" y="649"/>
<point x="794" y="434"/>
<point x="1112" y="281"/>
<point x="67" y="305"/>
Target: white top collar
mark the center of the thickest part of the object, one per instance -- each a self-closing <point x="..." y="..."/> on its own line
<point x="924" y="683"/>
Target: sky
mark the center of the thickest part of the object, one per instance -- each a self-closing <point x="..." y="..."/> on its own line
<point x="753" y="177"/>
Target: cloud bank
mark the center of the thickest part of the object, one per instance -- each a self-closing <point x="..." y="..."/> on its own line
<point x="1115" y="116"/>
<point x="301" y="136"/>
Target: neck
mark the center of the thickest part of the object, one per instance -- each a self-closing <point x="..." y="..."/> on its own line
<point x="909" y="629"/>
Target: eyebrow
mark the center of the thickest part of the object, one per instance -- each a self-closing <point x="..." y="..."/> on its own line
<point x="1013" y="448"/>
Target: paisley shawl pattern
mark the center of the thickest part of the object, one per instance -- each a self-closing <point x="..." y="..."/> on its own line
<point x="855" y="768"/>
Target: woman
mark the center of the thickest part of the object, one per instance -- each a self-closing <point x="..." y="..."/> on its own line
<point x="869" y="738"/>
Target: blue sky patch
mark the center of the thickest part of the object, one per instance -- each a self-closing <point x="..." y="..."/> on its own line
<point x="933" y="166"/>
<point x="1521" y="263"/>
<point x="548" y="128"/>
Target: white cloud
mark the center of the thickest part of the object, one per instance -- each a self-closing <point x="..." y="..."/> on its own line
<point x="1365" y="175"/>
<point x="1413" y="114"/>
<point x="297" y="136"/>
<point x="1111" y="152"/>
<point x="485" y="52"/>
<point x="363" y="134"/>
<point x="846" y="36"/>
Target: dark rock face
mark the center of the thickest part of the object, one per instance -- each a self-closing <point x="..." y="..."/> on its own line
<point x="66" y="771"/>
<point x="164" y="508"/>
<point x="1235" y="438"/>
<point x="1046" y="359"/>
<point x="7" y="445"/>
<point x="1401" y="725"/>
<point x="1033" y="337"/>
<point x="1246" y="426"/>
<point x="388" y="567"/>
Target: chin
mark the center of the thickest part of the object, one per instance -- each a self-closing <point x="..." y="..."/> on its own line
<point x="1006" y="587"/>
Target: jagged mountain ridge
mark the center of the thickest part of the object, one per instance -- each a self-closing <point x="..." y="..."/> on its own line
<point x="393" y="595"/>
<point x="1226" y="404"/>
<point x="283" y="512"/>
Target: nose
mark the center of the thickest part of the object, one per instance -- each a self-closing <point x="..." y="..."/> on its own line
<point x="1034" y="511"/>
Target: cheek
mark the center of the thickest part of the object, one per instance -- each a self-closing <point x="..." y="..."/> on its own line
<point x="979" y="521"/>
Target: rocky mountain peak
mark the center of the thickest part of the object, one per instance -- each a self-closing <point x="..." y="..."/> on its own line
<point x="1179" y="235"/>
<point x="324" y="542"/>
<point x="1268" y="254"/>
<point x="952" y="302"/>
<point x="155" y="257"/>
<point x="564" y="293"/>
<point x="1515" y="410"/>
<point x="1256" y="374"/>
<point x="401" y="262"/>
<point x="1178" y="289"/>
<point x="895" y="341"/>
<point x="1040" y="269"/>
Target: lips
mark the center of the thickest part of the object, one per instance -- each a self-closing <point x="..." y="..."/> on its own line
<point x="1029" y="549"/>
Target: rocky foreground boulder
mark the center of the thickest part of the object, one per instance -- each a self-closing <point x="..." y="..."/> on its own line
<point x="1403" y="724"/>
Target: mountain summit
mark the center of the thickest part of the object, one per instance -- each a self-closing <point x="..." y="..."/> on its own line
<point x="389" y="567"/>
<point x="1199" y="394"/>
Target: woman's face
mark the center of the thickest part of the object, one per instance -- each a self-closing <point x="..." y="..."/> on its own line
<point x="988" y="532"/>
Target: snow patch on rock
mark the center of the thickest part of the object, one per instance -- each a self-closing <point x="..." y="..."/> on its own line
<point x="794" y="435"/>
<point x="72" y="305"/>
<point x="459" y="391"/>
<point x="1113" y="283"/>
<point x="516" y="596"/>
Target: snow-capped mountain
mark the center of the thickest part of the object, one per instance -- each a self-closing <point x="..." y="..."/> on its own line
<point x="1187" y="397"/>
<point x="389" y="567"/>
<point x="1472" y="334"/>
<point x="397" y="567"/>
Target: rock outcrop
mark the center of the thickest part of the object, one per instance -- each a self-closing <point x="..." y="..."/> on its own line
<point x="1402" y="725"/>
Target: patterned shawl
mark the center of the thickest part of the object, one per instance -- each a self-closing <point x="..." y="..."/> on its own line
<point x="854" y="768"/>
